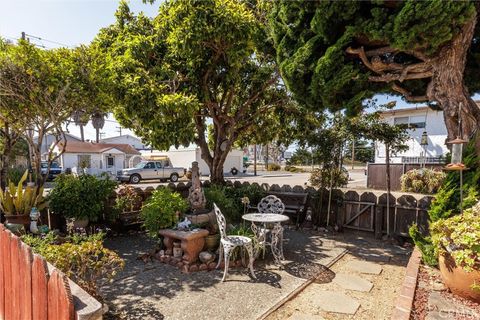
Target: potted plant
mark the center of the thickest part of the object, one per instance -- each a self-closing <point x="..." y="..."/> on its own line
<point x="457" y="241"/>
<point x="81" y="199"/>
<point x="162" y="210"/>
<point x="127" y="205"/>
<point x="16" y="202"/>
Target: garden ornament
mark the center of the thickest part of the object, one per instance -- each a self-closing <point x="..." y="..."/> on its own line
<point x="196" y="196"/>
<point x="184" y="225"/>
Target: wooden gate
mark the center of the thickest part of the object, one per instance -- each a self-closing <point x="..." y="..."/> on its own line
<point x="359" y="215"/>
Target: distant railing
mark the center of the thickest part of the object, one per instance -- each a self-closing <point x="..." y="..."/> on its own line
<point x="428" y="160"/>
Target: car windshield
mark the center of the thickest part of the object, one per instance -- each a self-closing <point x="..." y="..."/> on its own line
<point x="53" y="165"/>
<point x="140" y="165"/>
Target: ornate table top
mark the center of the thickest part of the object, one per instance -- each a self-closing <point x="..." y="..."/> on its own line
<point x="265" y="217"/>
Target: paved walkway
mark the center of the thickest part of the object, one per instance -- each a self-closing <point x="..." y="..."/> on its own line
<point x="160" y="291"/>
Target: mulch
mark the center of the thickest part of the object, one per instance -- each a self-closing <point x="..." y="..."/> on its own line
<point x="426" y="276"/>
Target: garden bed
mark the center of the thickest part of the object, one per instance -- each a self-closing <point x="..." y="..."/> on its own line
<point x="434" y="301"/>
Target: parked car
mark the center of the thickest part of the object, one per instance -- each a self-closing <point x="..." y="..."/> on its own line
<point x="151" y="170"/>
<point x="55" y="169"/>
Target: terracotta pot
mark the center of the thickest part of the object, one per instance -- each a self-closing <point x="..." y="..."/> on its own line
<point x="212" y="242"/>
<point x="458" y="280"/>
<point x="19" y="219"/>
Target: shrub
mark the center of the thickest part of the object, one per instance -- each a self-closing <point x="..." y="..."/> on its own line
<point x="15" y="174"/>
<point x="460" y="237"/>
<point x="84" y="259"/>
<point x="225" y="198"/>
<point x="162" y="209"/>
<point x="293" y="169"/>
<point x="321" y="177"/>
<point x="422" y="181"/>
<point x="80" y="197"/>
<point x="16" y="200"/>
<point x="253" y="192"/>
<point x="273" y="167"/>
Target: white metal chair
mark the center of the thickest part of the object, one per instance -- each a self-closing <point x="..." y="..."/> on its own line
<point x="270" y="204"/>
<point x="228" y="243"/>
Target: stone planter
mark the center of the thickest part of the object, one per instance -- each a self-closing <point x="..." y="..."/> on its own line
<point x="457" y="279"/>
<point x="23" y="219"/>
<point x="212" y="242"/>
<point x="130" y="218"/>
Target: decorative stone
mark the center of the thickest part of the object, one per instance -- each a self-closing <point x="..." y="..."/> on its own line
<point x="212" y="265"/>
<point x="193" y="268"/>
<point x="203" y="267"/>
<point x="185" y="268"/>
<point x="364" y="267"/>
<point x="196" y="197"/>
<point x="352" y="282"/>
<point x="302" y="316"/>
<point x="438" y="286"/>
<point x="206" y="257"/>
<point x="331" y="301"/>
<point x="180" y="264"/>
<point x="167" y="259"/>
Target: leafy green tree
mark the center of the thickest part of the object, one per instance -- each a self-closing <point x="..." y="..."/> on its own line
<point x="196" y="63"/>
<point x="335" y="54"/>
<point x="41" y="90"/>
<point x="363" y="150"/>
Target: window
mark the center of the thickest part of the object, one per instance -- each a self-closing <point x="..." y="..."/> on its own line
<point x="149" y="165"/>
<point x="110" y="162"/>
<point x="84" y="161"/>
<point x="159" y="165"/>
<point x="417" y="122"/>
<point x="400" y="120"/>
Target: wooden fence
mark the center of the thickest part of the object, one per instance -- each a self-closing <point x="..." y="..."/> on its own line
<point x="376" y="176"/>
<point x="28" y="290"/>
<point x="349" y="209"/>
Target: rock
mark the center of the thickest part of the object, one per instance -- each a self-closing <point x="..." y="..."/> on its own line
<point x="337" y="302"/>
<point x="167" y="259"/>
<point x="180" y="264"/>
<point x="438" y="286"/>
<point x="212" y="265"/>
<point x="193" y="268"/>
<point x="203" y="267"/>
<point x="185" y="268"/>
<point x="206" y="257"/>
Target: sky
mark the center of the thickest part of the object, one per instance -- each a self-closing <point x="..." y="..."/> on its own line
<point x="74" y="22"/>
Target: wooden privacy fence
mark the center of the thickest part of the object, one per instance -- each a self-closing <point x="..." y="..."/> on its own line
<point x="350" y="209"/>
<point x="28" y="290"/>
<point x="376" y="176"/>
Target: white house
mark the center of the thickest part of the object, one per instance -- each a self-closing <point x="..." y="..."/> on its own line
<point x="127" y="139"/>
<point x="183" y="157"/>
<point x="49" y="139"/>
<point x="97" y="157"/>
<point x="419" y="119"/>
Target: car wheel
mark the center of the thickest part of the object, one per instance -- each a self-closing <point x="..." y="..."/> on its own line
<point x="174" y="177"/>
<point x="135" y="178"/>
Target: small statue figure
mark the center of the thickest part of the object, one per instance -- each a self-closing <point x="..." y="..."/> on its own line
<point x="196" y="196"/>
<point x="184" y="225"/>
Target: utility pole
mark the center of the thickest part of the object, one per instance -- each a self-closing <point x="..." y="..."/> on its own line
<point x="119" y="130"/>
<point x="255" y="160"/>
<point x="23" y="35"/>
<point x="353" y="151"/>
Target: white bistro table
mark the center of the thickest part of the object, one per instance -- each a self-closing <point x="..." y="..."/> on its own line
<point x="261" y="223"/>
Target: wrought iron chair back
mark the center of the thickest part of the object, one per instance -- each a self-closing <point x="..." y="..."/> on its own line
<point x="222" y="223"/>
<point x="271" y="204"/>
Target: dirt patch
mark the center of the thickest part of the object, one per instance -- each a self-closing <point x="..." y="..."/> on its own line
<point x="376" y="304"/>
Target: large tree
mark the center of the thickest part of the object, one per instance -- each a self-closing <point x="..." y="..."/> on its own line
<point x="335" y="54"/>
<point x="196" y="63"/>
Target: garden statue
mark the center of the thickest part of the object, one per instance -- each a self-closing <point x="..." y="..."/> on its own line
<point x="184" y="225"/>
<point x="196" y="196"/>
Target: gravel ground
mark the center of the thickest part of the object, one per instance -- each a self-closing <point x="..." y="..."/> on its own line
<point x="159" y="291"/>
<point x="376" y="304"/>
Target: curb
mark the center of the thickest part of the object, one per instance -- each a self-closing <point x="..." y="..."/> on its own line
<point x="299" y="289"/>
<point x="404" y="302"/>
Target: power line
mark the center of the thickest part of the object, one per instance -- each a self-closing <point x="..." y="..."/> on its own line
<point x="51" y="41"/>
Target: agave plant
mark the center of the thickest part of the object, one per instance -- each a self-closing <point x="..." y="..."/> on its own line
<point x="16" y="200"/>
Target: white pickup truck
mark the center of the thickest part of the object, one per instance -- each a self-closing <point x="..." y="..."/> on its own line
<point x="151" y="170"/>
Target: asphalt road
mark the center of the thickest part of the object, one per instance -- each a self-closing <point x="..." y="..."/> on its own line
<point x="358" y="179"/>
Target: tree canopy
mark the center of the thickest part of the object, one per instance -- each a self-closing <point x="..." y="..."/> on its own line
<point x="196" y="63"/>
<point x="335" y="54"/>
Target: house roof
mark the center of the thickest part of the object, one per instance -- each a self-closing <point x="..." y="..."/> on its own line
<point x="128" y="136"/>
<point x="413" y="109"/>
<point x="90" y="147"/>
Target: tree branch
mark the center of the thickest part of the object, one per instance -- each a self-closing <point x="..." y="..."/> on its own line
<point x="408" y="96"/>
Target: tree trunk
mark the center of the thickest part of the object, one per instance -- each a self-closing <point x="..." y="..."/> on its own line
<point x="82" y="135"/>
<point x="387" y="166"/>
<point x="448" y="89"/>
<point x="4" y="163"/>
